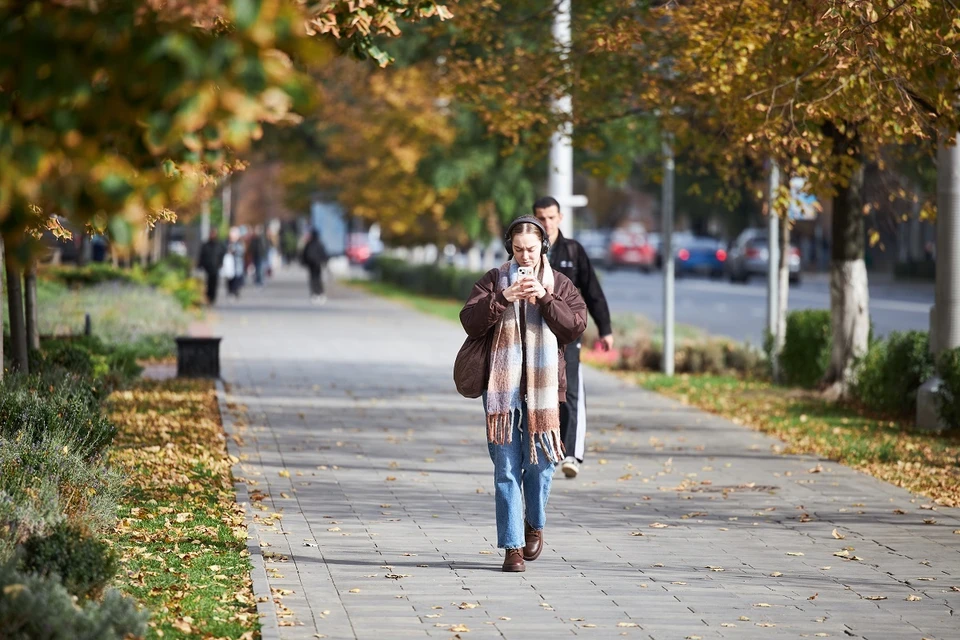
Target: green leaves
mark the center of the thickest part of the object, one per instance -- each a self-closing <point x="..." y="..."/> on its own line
<point x="245" y="12"/>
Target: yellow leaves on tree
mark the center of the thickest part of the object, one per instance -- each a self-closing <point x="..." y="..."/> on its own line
<point x="376" y="127"/>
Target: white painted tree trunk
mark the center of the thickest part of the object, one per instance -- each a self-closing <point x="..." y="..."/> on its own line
<point x="783" y="298"/>
<point x="850" y="321"/>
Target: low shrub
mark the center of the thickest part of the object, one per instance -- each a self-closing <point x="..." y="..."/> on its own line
<point x="948" y="366"/>
<point x="32" y="412"/>
<point x="888" y="376"/>
<point x="429" y="279"/>
<point x="48" y="476"/>
<point x="34" y="606"/>
<point x="84" y="565"/>
<point x="806" y="350"/>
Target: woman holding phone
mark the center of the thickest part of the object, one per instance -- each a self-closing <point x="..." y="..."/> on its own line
<point x="528" y="313"/>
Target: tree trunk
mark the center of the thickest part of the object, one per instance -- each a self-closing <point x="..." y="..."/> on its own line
<point x="849" y="296"/>
<point x="18" y="328"/>
<point x="2" y="367"/>
<point x="783" y="297"/>
<point x="30" y="301"/>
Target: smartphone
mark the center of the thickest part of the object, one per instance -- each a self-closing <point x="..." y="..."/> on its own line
<point x="523" y="272"/>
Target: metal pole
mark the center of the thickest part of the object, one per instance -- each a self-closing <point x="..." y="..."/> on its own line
<point x="945" y="315"/>
<point x="667" y="252"/>
<point x="560" y="178"/>
<point x="948" y="244"/>
<point x="773" y="250"/>
<point x="227" y="195"/>
<point x="204" y="221"/>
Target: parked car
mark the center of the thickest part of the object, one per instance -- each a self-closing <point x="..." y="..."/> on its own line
<point x="653" y="239"/>
<point x="629" y="248"/>
<point x="700" y="255"/>
<point x="749" y="256"/>
<point x="358" y="249"/>
<point x="596" y="242"/>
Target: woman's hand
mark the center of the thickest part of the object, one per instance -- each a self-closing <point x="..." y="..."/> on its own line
<point x="532" y="289"/>
<point x="513" y="292"/>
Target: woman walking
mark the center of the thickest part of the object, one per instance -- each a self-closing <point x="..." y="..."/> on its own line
<point x="527" y="312"/>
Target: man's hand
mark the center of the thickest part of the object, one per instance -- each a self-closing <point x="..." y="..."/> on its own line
<point x="606" y="342"/>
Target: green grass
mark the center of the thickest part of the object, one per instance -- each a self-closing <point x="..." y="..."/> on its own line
<point x="441" y="307"/>
<point x="180" y="532"/>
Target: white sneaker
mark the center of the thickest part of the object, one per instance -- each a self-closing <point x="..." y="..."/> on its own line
<point x="570" y="467"/>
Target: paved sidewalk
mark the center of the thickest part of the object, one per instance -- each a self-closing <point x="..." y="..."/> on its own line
<point x="373" y="503"/>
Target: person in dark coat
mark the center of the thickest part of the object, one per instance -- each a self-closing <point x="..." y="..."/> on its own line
<point x="210" y="262"/>
<point x="257" y="253"/>
<point x="570" y="258"/>
<point x="314" y="258"/>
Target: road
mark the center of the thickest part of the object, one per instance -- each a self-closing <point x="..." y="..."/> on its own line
<point x="739" y="311"/>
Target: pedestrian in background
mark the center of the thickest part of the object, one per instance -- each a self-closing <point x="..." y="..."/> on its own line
<point x="258" y="254"/>
<point x="526" y="320"/>
<point x="233" y="263"/>
<point x="210" y="262"/>
<point x="314" y="258"/>
<point x="570" y="258"/>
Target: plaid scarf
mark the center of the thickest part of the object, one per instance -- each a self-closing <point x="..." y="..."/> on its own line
<point x="542" y="373"/>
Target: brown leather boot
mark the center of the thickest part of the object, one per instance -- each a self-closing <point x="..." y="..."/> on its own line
<point x="534" y="542"/>
<point x="513" y="561"/>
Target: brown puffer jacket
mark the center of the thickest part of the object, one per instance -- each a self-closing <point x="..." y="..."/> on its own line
<point x="564" y="312"/>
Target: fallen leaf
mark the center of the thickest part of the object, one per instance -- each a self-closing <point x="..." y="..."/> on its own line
<point x="762" y="605"/>
<point x="728" y="625"/>
<point x="775" y="574"/>
<point x="467" y="605"/>
<point x="874" y="597"/>
<point x="284" y="473"/>
<point x="505" y="618"/>
<point x="636" y="533"/>
<point x="765" y="624"/>
<point x="838" y="535"/>
<point x="589" y="626"/>
<point x="813" y="597"/>
<point x="913" y="598"/>
<point x="743" y="619"/>
<point x="576" y="619"/>
<point x="659" y="525"/>
<point x="794" y="553"/>
<point x="627" y="624"/>
<point x="354" y="590"/>
<point x="459" y="628"/>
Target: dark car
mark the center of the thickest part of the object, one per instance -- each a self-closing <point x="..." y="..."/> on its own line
<point x="700" y="255"/>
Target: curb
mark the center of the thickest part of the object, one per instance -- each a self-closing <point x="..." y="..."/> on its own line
<point x="267" y="613"/>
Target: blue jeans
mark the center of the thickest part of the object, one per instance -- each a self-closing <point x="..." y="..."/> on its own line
<point x="519" y="484"/>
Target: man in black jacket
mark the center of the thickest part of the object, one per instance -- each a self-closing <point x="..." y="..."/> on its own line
<point x="569" y="258"/>
<point x="211" y="259"/>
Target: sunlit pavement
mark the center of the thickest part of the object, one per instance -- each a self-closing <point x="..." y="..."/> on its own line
<point x="376" y="511"/>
